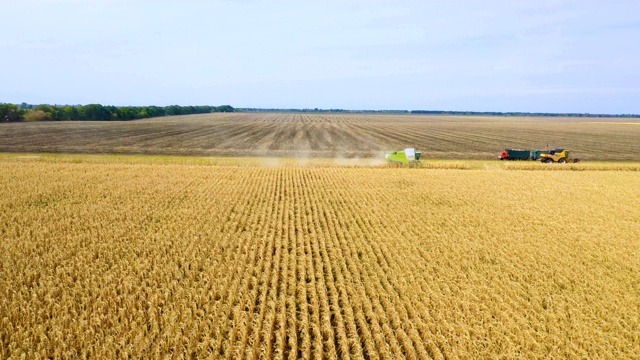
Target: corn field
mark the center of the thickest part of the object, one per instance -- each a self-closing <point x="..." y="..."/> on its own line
<point x="115" y="260"/>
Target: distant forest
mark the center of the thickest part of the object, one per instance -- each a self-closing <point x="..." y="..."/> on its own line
<point x="97" y="112"/>
<point x="27" y="112"/>
<point x="437" y="112"/>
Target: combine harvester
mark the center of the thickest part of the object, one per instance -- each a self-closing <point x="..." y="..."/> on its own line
<point x="560" y="156"/>
<point x="408" y="156"/>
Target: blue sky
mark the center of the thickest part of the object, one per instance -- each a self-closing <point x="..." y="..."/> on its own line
<point x="531" y="56"/>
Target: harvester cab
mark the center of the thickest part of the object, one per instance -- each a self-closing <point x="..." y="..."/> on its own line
<point x="409" y="155"/>
<point x="560" y="156"/>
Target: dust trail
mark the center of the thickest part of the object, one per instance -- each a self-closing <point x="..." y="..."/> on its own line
<point x="340" y="160"/>
<point x="377" y="161"/>
<point x="302" y="157"/>
<point x="271" y="162"/>
<point x="368" y="160"/>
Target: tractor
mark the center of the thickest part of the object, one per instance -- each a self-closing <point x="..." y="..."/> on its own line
<point x="409" y="155"/>
<point x="559" y="156"/>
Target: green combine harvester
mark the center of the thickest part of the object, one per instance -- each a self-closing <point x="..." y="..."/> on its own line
<point x="409" y="155"/>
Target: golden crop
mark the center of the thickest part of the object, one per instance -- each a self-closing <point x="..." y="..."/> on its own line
<point x="113" y="260"/>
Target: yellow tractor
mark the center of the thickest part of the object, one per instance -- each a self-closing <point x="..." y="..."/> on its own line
<point x="560" y="156"/>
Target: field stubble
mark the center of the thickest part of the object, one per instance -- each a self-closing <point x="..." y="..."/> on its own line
<point x="341" y="136"/>
<point x="111" y="260"/>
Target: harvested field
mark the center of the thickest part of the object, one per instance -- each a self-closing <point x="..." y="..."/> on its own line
<point x="329" y="136"/>
<point x="106" y="259"/>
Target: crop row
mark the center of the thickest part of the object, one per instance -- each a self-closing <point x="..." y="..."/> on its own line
<point x="116" y="260"/>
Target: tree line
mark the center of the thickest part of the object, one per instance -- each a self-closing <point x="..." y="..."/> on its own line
<point x="27" y="112"/>
<point x="97" y="112"/>
<point x="433" y="112"/>
<point x="497" y="113"/>
<point x="317" y="110"/>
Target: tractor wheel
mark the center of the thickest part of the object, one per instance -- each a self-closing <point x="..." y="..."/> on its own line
<point x="562" y="161"/>
<point x="549" y="161"/>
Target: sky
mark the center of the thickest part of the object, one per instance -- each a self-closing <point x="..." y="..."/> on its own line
<point x="459" y="55"/>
